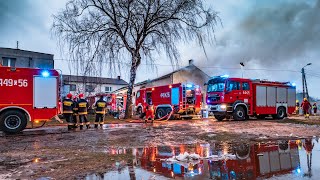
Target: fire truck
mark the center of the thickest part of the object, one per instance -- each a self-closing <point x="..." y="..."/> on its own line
<point x="113" y="101"/>
<point x="183" y="99"/>
<point x="240" y="98"/>
<point x="258" y="161"/>
<point x="27" y="95"/>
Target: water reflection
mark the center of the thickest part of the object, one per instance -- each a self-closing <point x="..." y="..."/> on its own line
<point x="280" y="160"/>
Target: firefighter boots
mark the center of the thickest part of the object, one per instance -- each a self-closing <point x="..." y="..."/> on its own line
<point x="81" y="127"/>
<point x="96" y="126"/>
<point x="88" y="126"/>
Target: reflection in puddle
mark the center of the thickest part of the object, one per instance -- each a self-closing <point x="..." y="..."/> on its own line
<point x="276" y="160"/>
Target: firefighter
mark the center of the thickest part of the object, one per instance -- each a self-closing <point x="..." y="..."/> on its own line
<point x="100" y="112"/>
<point x="297" y="107"/>
<point x="75" y="111"/>
<point x="67" y="106"/>
<point x="306" y="106"/>
<point x="83" y="106"/>
<point x="315" y="108"/>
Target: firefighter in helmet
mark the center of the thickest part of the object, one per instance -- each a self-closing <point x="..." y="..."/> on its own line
<point x="75" y="110"/>
<point x="83" y="106"/>
<point x="315" y="108"/>
<point x="100" y="112"/>
<point x="297" y="107"/>
<point x="67" y="106"/>
<point x="306" y="106"/>
<point x="149" y="111"/>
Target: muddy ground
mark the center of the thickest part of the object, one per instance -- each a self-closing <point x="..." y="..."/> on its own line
<point x="60" y="154"/>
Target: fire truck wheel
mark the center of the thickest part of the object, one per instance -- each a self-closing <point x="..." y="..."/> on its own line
<point x="168" y="111"/>
<point x="160" y="113"/>
<point x="239" y="114"/>
<point x="219" y="117"/>
<point x="13" y="121"/>
<point x="281" y="113"/>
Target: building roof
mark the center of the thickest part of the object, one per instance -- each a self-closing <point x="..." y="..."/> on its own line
<point x="97" y="80"/>
<point x="191" y="66"/>
<point x="14" y="49"/>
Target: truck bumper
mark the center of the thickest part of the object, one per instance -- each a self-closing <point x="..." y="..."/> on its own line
<point x="218" y="108"/>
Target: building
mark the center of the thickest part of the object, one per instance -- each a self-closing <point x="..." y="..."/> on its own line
<point x="22" y="58"/>
<point x="189" y="74"/>
<point x="91" y="85"/>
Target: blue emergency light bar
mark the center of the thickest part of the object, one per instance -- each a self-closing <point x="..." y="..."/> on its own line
<point x="45" y="73"/>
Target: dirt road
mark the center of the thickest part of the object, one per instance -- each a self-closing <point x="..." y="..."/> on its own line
<point x="55" y="152"/>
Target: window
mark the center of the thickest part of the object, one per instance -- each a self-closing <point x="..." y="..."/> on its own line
<point x="11" y="62"/>
<point x="73" y="87"/>
<point x="138" y="94"/>
<point x="89" y="88"/>
<point x="108" y="89"/>
<point x="233" y="85"/>
<point x="245" y="86"/>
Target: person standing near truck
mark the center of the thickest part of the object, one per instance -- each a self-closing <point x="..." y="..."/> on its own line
<point x="100" y="112"/>
<point x="67" y="106"/>
<point x="315" y="108"/>
<point x="75" y="111"/>
<point x="83" y="106"/>
<point x="306" y="106"/>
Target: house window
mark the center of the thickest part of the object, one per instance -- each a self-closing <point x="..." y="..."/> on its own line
<point x="89" y="88"/>
<point x="108" y="89"/>
<point x="11" y="62"/>
<point x="73" y="87"/>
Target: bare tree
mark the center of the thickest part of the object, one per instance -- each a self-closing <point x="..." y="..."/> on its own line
<point x="108" y="31"/>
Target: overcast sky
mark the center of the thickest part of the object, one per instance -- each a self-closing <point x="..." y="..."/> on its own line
<point x="274" y="38"/>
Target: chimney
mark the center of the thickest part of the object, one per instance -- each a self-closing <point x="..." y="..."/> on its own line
<point x="119" y="77"/>
<point x="191" y="62"/>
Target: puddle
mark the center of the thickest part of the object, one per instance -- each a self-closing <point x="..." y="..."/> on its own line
<point x="294" y="159"/>
<point x="119" y="126"/>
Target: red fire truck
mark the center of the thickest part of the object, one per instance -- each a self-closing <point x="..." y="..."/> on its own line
<point x="27" y="95"/>
<point x="183" y="99"/>
<point x="240" y="98"/>
<point x="113" y="101"/>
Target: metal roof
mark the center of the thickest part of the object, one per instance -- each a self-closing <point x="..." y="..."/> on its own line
<point x="96" y="80"/>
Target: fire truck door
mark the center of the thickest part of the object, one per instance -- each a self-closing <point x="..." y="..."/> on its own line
<point x="246" y="93"/>
<point x="45" y="92"/>
<point x="233" y="90"/>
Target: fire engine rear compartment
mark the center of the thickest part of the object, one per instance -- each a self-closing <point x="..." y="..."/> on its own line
<point x="269" y="98"/>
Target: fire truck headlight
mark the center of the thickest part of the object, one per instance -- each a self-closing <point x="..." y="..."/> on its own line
<point x="45" y="74"/>
<point x="223" y="107"/>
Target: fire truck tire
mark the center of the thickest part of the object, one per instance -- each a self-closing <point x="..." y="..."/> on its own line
<point x="281" y="113"/>
<point x="160" y="113"/>
<point x="239" y="114"/>
<point x="13" y="121"/>
<point x="219" y="117"/>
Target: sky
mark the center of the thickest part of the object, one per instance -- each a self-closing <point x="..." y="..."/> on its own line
<point x="274" y="39"/>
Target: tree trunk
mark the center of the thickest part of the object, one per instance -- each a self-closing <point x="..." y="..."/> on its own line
<point x="135" y="59"/>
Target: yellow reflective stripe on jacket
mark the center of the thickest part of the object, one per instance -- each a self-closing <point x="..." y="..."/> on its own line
<point x="68" y="112"/>
<point x="84" y="104"/>
<point x="82" y="113"/>
<point x="100" y="112"/>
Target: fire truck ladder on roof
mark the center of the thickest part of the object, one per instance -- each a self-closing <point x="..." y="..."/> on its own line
<point x="184" y="97"/>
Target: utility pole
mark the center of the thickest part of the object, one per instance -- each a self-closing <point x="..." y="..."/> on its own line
<point x="242" y="66"/>
<point x="17" y="44"/>
<point x="305" y="92"/>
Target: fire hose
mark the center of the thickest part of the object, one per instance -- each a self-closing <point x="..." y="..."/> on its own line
<point x="162" y="119"/>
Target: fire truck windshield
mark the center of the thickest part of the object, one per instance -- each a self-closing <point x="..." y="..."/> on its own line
<point x="216" y="85"/>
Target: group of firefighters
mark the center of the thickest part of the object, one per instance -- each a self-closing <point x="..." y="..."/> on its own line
<point x="306" y="107"/>
<point x="75" y="108"/>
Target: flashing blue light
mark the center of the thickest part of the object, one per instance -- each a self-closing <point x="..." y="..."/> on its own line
<point x="225" y="76"/>
<point x="299" y="170"/>
<point x="208" y="101"/>
<point x="293" y="84"/>
<point x="45" y="73"/>
<point x="189" y="85"/>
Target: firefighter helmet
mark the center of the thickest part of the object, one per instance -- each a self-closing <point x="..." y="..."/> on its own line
<point x="297" y="101"/>
<point x="81" y="95"/>
<point x="69" y="95"/>
<point x="304" y="99"/>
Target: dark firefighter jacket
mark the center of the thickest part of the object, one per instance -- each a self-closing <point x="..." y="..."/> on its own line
<point x="100" y="106"/>
<point x="82" y="107"/>
<point x="67" y="106"/>
<point x="75" y="107"/>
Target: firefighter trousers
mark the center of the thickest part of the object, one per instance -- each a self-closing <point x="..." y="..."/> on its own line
<point x="70" y="120"/>
<point x="99" y="120"/>
<point x="84" y="121"/>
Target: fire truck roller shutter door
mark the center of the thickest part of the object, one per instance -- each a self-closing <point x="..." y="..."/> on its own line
<point x="13" y="120"/>
<point x="45" y="92"/>
<point x="175" y="96"/>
